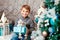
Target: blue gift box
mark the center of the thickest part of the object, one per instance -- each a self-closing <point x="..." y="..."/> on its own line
<point x="20" y="29"/>
<point x="1" y="31"/>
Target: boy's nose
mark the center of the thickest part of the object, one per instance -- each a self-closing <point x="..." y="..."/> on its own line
<point x="24" y="12"/>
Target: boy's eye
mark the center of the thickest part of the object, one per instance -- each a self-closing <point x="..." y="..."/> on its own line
<point x="26" y="11"/>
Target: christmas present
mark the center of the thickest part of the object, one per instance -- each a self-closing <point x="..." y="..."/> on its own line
<point x="4" y="29"/>
<point x="1" y="31"/>
<point x="20" y="29"/>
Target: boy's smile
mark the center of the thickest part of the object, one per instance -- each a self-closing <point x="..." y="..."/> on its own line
<point x="24" y="12"/>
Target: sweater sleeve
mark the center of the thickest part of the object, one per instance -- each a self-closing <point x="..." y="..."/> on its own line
<point x="32" y="25"/>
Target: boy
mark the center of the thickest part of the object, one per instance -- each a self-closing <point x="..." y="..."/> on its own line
<point x="25" y="11"/>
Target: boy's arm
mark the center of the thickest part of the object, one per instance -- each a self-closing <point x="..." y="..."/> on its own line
<point x="30" y="27"/>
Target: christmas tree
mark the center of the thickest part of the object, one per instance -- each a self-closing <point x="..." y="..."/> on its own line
<point x="48" y="21"/>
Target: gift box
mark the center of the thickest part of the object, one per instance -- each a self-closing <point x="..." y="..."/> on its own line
<point x="1" y="31"/>
<point x="20" y="29"/>
<point x="4" y="29"/>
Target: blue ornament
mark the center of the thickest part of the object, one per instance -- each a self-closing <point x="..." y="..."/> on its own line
<point x="36" y="20"/>
<point x="51" y="21"/>
<point x="51" y="30"/>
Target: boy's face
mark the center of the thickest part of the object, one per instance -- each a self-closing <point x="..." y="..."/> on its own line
<point x="24" y="12"/>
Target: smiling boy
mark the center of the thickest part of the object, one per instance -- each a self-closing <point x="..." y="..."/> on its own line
<point x="25" y="11"/>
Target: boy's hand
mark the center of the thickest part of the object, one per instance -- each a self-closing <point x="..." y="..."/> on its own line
<point x="20" y="36"/>
<point x="25" y="37"/>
